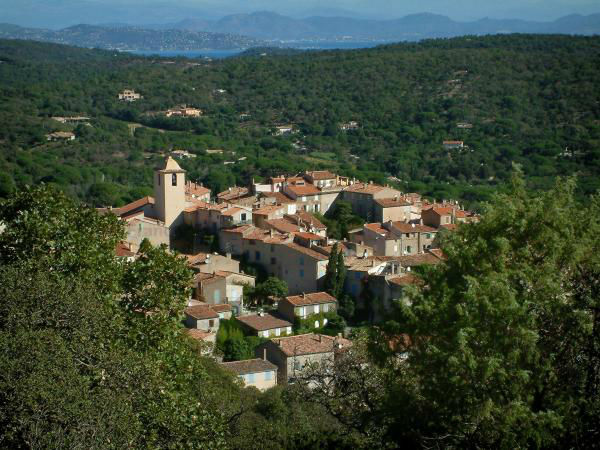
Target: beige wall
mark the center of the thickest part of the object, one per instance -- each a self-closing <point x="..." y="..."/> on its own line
<point x="204" y="324"/>
<point x="395" y="214"/>
<point x="169" y="200"/>
<point x="138" y="230"/>
<point x="260" y="380"/>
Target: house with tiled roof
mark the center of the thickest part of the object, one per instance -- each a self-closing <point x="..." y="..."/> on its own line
<point x="304" y="305"/>
<point x="395" y="209"/>
<point x="362" y="197"/>
<point x="197" y="191"/>
<point x="206" y="339"/>
<point x="212" y="262"/>
<point x="232" y="193"/>
<point x="395" y="238"/>
<point x="222" y="288"/>
<point x="258" y="373"/>
<point x="294" y="354"/>
<point x="201" y="317"/>
<point x="265" y="325"/>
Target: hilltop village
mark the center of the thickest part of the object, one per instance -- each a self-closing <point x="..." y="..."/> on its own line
<point x="272" y="229"/>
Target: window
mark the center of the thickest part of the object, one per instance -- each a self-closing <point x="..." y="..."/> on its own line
<point x="324" y="322"/>
<point x="217" y="296"/>
<point x="252" y="242"/>
<point x="288" y="330"/>
<point x="303" y="198"/>
<point x="301" y="273"/>
<point x="325" y="308"/>
<point x="407" y="234"/>
<point x="427" y="235"/>
<point x="277" y="331"/>
<point x="302" y="311"/>
<point x="408" y="249"/>
<point x="257" y="255"/>
<point x="273" y="261"/>
<point x="174" y="179"/>
<point x="268" y="376"/>
<point x="250" y="378"/>
<point x="316" y="309"/>
<point x="211" y="323"/>
<point x="244" y="217"/>
<point x="316" y="324"/>
<point x="395" y="248"/>
<point x="447" y="219"/>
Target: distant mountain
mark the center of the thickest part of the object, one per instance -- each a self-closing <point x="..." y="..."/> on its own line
<point x="131" y="38"/>
<point x="272" y="26"/>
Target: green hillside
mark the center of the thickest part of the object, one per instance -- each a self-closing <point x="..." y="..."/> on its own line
<point x="531" y="100"/>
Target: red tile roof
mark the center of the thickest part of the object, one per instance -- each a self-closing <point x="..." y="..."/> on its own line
<point x="196" y="189"/>
<point x="266" y="210"/>
<point x="262" y="323"/>
<point x="307" y="344"/>
<point x="221" y="308"/>
<point x="321" y="175"/>
<point x="307" y="189"/>
<point x="201" y="312"/>
<point x="311" y="299"/>
<point x="404" y="227"/>
<point x="449" y="226"/>
<point x="377" y="228"/>
<point x="123" y="250"/>
<point x="279" y="197"/>
<point x="406" y="280"/>
<point x="249" y="366"/>
<point x="308" y="252"/>
<point x="199" y="334"/>
<point x="311" y="236"/>
<point x="363" y="188"/>
<point x="392" y="202"/>
<point x="283" y="225"/>
<point x="123" y="210"/>
<point x="306" y="218"/>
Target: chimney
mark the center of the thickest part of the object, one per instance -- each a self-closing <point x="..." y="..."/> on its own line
<point x="264" y="354"/>
<point x="228" y="255"/>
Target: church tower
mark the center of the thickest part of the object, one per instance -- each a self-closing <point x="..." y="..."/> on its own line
<point x="169" y="193"/>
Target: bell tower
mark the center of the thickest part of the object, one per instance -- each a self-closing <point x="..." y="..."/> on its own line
<point x="169" y="193"/>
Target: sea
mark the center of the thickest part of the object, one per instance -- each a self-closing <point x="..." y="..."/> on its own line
<point x="221" y="54"/>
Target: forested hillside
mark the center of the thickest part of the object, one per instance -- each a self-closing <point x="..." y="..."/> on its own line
<point x="526" y="100"/>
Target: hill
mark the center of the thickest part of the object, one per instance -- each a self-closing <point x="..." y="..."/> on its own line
<point x="272" y="26"/>
<point x="130" y="38"/>
<point x="523" y="100"/>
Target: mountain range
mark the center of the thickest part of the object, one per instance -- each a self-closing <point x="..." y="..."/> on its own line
<point x="272" y="26"/>
<point x="124" y="37"/>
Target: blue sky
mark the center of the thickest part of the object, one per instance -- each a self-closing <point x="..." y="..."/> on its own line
<point x="56" y="13"/>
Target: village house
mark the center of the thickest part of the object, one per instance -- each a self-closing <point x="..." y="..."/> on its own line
<point x="261" y="215"/>
<point x="196" y="191"/>
<point x="183" y="111"/>
<point x="206" y="339"/>
<point x="125" y="250"/>
<point x="305" y="305"/>
<point x="397" y="209"/>
<point x="181" y="154"/>
<point x="264" y="325"/>
<point x="283" y="129"/>
<point x="129" y="95"/>
<point x="395" y="238"/>
<point x="222" y="288"/>
<point x="257" y="373"/>
<point x="232" y="193"/>
<point x="214" y="217"/>
<point x="201" y="317"/>
<point x="349" y="126"/>
<point x="293" y="354"/>
<point x="60" y="136"/>
<point x="212" y="262"/>
<point x="362" y="197"/>
<point x="451" y="145"/>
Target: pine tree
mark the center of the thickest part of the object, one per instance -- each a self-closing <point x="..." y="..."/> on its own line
<point x="331" y="278"/>
<point x="341" y="274"/>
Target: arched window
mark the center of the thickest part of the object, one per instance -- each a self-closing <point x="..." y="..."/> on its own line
<point x="174" y="179"/>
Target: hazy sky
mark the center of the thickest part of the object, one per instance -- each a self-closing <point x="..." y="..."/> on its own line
<point x="56" y="13"/>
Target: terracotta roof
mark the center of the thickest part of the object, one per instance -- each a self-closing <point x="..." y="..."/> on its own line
<point x="279" y="197"/>
<point x="266" y="210"/>
<point x="201" y="312"/>
<point x="262" y="323"/>
<point x="363" y="188"/>
<point x="307" y="344"/>
<point x="124" y="250"/>
<point x="392" y="202"/>
<point x="198" y="334"/>
<point x="307" y="189"/>
<point x="442" y="211"/>
<point x="249" y="366"/>
<point x="453" y="142"/>
<point x="416" y="260"/>
<point x="311" y="236"/>
<point x="283" y="225"/>
<point x="406" y="280"/>
<point x="404" y="227"/>
<point x="437" y="253"/>
<point x="195" y="189"/>
<point x="221" y="308"/>
<point x="377" y="228"/>
<point x="233" y="192"/>
<point x="198" y="258"/>
<point x="123" y="210"/>
<point x="232" y="211"/>
<point x="321" y="175"/>
<point x="449" y="226"/>
<point x="313" y="254"/>
<point x="239" y="230"/>
<point x="311" y="299"/>
<point x="307" y="218"/>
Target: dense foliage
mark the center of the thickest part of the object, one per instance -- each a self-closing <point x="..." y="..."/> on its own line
<point x="531" y="100"/>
